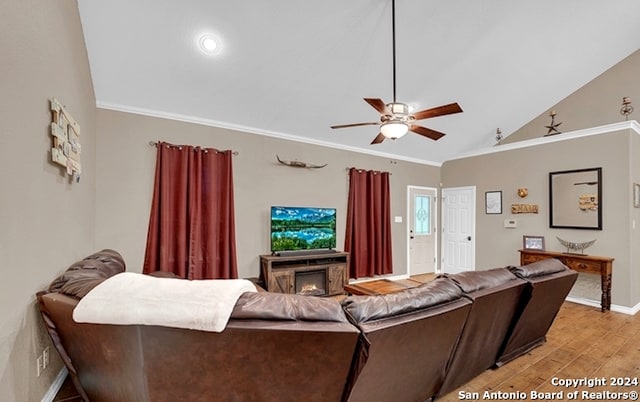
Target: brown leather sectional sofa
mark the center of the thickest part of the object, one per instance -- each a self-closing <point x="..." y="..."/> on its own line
<point x="414" y="345"/>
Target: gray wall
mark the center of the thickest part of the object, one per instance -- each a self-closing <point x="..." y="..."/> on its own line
<point x="595" y="104"/>
<point x="126" y="162"/>
<point x="529" y="167"/>
<point x="598" y="103"/>
<point x="47" y="222"/>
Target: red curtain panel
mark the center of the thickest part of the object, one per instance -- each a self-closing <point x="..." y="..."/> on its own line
<point x="368" y="229"/>
<point x="191" y="225"/>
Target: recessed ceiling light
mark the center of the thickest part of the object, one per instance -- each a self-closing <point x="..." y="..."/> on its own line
<point x="209" y="44"/>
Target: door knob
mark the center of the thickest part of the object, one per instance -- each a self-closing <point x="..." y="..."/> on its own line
<point x="469" y="238"/>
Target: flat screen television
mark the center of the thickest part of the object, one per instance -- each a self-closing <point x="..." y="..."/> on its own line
<point x="302" y="228"/>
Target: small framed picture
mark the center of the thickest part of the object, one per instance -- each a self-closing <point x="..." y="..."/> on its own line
<point x="493" y="202"/>
<point x="533" y="242"/>
<point x="636" y="195"/>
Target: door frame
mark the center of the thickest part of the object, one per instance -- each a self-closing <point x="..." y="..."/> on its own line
<point x="436" y="232"/>
<point x="475" y="221"/>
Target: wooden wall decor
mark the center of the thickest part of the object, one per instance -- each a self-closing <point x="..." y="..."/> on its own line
<point x="65" y="132"/>
<point x="524" y="209"/>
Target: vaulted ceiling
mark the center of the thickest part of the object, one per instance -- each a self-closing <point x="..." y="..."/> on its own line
<point x="291" y="68"/>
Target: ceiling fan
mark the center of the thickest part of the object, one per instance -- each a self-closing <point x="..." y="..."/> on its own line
<point x="395" y="118"/>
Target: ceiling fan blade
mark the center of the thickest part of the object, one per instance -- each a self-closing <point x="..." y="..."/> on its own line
<point x="438" y="111"/>
<point x="426" y="132"/>
<point x="379" y="138"/>
<point x="355" y="125"/>
<point x="379" y="105"/>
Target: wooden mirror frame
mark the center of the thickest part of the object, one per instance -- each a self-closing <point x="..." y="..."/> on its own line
<point x="558" y="183"/>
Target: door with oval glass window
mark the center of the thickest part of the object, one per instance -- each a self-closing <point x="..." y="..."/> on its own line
<point x="422" y="233"/>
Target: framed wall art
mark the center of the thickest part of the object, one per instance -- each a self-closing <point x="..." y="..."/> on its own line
<point x="533" y="242"/>
<point x="493" y="202"/>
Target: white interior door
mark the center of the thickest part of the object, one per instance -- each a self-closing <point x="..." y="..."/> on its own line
<point x="458" y="229"/>
<point x="421" y="225"/>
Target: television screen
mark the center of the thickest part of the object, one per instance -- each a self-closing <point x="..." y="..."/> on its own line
<point x="302" y="228"/>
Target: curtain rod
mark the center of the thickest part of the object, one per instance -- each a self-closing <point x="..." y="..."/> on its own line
<point x="364" y="170"/>
<point x="155" y="144"/>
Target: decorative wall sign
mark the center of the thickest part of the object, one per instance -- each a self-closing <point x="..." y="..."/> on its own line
<point x="65" y="132"/>
<point x="524" y="208"/>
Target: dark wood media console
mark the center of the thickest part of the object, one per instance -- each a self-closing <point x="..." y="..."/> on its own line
<point x="322" y="274"/>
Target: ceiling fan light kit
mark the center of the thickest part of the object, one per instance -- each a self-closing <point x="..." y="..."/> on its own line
<point x="394" y="129"/>
<point x="396" y="118"/>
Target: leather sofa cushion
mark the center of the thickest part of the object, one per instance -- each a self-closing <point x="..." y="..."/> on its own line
<point x="472" y="281"/>
<point x="280" y="306"/>
<point x="368" y="308"/>
<point x="539" y="268"/>
<point x="84" y="275"/>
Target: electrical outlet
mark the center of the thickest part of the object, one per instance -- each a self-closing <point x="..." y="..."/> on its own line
<point x="39" y="363"/>
<point x="45" y="358"/>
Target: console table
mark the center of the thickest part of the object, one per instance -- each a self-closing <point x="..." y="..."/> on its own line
<point x="590" y="264"/>
<point x="321" y="274"/>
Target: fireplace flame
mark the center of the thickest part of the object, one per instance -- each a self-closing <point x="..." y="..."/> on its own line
<point x="308" y="288"/>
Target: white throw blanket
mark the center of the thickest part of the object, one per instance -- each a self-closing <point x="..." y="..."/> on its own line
<point x="131" y="298"/>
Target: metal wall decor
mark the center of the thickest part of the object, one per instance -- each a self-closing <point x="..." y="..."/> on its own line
<point x="299" y="164"/>
<point x="553" y="126"/>
<point x="575" y="247"/>
<point x="626" y="109"/>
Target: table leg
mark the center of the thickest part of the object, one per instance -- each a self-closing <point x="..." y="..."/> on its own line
<point x="606" y="292"/>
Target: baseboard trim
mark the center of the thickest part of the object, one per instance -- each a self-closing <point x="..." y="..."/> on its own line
<point x="55" y="386"/>
<point x="614" y="307"/>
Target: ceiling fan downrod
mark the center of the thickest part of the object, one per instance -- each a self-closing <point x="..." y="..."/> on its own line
<point x="393" y="41"/>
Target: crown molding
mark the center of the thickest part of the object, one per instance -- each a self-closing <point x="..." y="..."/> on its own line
<point x="254" y="130"/>
<point x="608" y="128"/>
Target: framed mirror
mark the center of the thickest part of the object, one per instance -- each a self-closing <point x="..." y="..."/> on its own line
<point x="575" y="199"/>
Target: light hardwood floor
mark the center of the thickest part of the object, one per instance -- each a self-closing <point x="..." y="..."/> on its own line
<point x="582" y="343"/>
